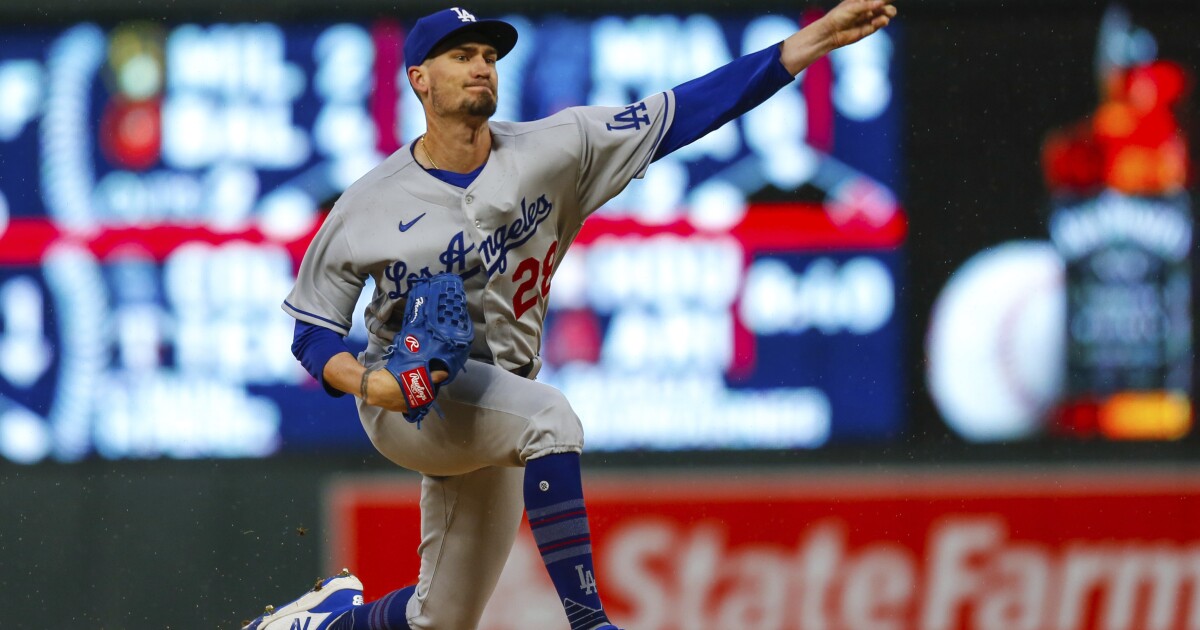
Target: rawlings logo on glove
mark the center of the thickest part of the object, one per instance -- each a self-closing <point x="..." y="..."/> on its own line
<point x="416" y="386"/>
<point x="437" y="335"/>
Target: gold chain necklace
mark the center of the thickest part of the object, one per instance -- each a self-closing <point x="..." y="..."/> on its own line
<point x="425" y="150"/>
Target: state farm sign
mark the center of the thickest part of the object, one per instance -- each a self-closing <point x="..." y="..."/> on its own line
<point x="981" y="549"/>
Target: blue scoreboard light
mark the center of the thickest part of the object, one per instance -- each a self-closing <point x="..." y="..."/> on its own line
<point x="160" y="183"/>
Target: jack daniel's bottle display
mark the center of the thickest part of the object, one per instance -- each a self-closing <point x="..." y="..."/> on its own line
<point x="1121" y="219"/>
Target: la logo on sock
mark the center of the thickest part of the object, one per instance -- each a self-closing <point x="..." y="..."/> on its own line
<point x="587" y="581"/>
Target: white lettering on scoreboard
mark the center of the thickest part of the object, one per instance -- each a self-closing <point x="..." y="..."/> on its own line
<point x="857" y="296"/>
<point x="670" y="304"/>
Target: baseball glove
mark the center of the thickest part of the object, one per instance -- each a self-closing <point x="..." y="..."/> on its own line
<point x="436" y="335"/>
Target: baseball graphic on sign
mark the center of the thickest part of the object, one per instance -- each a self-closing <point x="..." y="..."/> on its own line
<point x="996" y="342"/>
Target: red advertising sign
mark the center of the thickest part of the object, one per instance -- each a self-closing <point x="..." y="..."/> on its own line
<point x="1001" y="549"/>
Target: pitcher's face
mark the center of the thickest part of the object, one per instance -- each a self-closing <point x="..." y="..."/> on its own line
<point x="462" y="79"/>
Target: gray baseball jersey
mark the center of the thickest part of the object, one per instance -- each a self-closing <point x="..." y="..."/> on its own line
<point x="504" y="234"/>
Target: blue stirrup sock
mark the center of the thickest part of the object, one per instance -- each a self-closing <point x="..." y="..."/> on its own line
<point x="385" y="613"/>
<point x="554" y="507"/>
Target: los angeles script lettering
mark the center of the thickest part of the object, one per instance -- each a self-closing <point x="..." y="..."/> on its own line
<point x="493" y="250"/>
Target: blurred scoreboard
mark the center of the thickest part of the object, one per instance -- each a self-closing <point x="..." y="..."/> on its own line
<point x="160" y="183"/>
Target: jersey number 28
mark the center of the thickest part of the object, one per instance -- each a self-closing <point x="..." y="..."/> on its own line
<point x="527" y="274"/>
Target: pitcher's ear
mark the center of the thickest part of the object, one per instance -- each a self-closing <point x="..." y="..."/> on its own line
<point x="418" y="80"/>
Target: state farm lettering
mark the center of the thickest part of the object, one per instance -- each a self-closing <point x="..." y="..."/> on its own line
<point x="998" y="551"/>
<point x="972" y="576"/>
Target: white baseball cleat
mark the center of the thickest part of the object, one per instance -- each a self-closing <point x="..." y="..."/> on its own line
<point x="328" y="600"/>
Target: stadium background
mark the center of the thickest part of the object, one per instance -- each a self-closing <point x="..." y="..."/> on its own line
<point x="162" y="542"/>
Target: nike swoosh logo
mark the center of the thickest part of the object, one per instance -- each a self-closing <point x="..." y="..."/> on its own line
<point x="404" y="226"/>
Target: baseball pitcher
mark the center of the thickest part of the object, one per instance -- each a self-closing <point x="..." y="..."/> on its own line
<point x="462" y="231"/>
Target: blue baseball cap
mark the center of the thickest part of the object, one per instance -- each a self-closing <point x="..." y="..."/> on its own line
<point x="432" y="29"/>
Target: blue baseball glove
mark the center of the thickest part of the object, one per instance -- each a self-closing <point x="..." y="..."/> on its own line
<point x="436" y="335"/>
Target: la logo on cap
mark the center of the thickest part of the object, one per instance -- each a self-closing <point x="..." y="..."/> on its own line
<point x="465" y="16"/>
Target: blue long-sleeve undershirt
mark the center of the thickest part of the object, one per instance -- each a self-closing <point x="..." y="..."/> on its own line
<point x="701" y="106"/>
<point x="314" y="346"/>
<point x="704" y="104"/>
